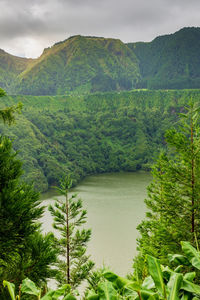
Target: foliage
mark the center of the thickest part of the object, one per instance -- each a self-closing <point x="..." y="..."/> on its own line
<point x="10" y="67"/>
<point x="170" y="61"/>
<point x="21" y="244"/>
<point x="81" y="65"/>
<point x="7" y="114"/>
<point x="28" y="287"/>
<point x="76" y="65"/>
<point x="106" y="132"/>
<point x="162" y="283"/>
<point x="173" y="196"/>
<point x="74" y="265"/>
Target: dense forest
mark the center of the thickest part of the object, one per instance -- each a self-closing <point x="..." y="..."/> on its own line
<point x="166" y="267"/>
<point x="91" y="134"/>
<point x="82" y="64"/>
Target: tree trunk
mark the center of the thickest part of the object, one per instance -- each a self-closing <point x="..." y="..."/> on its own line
<point x="67" y="236"/>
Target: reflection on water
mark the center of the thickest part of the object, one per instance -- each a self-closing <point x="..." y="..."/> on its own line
<point x="115" y="206"/>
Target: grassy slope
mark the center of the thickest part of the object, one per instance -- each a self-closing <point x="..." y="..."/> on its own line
<point x="92" y="134"/>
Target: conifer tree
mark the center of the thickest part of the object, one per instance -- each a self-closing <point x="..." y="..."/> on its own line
<point x="24" y="251"/>
<point x="174" y="195"/>
<point x="74" y="265"/>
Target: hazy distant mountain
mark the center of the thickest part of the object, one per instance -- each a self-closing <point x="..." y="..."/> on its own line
<point x="170" y="61"/>
<point x="89" y="64"/>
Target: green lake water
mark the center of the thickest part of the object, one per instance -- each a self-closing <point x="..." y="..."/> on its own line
<point x="115" y="206"/>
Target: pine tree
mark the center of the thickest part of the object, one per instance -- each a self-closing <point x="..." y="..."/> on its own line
<point x="74" y="265"/>
<point x="24" y="251"/>
<point x="20" y="238"/>
<point x="174" y="195"/>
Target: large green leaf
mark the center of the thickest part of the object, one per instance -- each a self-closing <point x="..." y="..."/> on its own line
<point x="156" y="274"/>
<point x="118" y="282"/>
<point x="30" y="288"/>
<point x="106" y="291"/>
<point x="190" y="287"/>
<point x="174" y="286"/>
<point x="192" y="254"/>
<point x="11" y="288"/>
<point x="48" y="296"/>
<point x="110" y="276"/>
<point x="70" y="297"/>
<point x="178" y="259"/>
<point x="56" y="294"/>
<point x="148" y="283"/>
<point x="142" y="293"/>
<point x="189" y="276"/>
<point x="149" y="295"/>
<point x="92" y="296"/>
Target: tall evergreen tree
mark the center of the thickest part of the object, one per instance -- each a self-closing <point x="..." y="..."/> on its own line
<point x="24" y="251"/>
<point x="74" y="265"/>
<point x="174" y="195"/>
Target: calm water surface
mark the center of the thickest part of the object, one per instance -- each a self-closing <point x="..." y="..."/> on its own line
<point x="115" y="206"/>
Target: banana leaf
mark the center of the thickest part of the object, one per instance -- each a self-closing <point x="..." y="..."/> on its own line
<point x="192" y="254"/>
<point x="156" y="273"/>
<point x="174" y="286"/>
<point x="11" y="288"/>
<point x="178" y="259"/>
<point x="190" y="276"/>
<point x="29" y="287"/>
<point x="106" y="291"/>
<point x="51" y="295"/>
<point x="190" y="287"/>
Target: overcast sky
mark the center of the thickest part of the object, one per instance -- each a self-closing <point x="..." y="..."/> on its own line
<point x="28" y="26"/>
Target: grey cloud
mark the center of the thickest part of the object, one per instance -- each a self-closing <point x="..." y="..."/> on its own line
<point x="47" y="21"/>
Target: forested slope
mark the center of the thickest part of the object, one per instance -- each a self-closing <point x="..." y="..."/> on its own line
<point x="170" y="61"/>
<point x="97" y="133"/>
<point x="83" y="65"/>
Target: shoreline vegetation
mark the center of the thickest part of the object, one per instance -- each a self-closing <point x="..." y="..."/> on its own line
<point x="91" y="134"/>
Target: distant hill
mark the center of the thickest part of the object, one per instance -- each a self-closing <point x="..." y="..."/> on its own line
<point x="10" y="67"/>
<point x="170" y="61"/>
<point x="81" y="65"/>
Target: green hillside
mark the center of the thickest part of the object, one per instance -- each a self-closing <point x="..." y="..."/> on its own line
<point x="82" y="65"/>
<point x="89" y="134"/>
<point x="10" y="67"/>
<point x="170" y="61"/>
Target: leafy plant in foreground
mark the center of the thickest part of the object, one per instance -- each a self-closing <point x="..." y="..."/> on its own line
<point x="162" y="282"/>
<point x="28" y="287"/>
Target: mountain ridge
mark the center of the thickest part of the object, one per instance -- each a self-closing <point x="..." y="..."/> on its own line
<point x="85" y="64"/>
